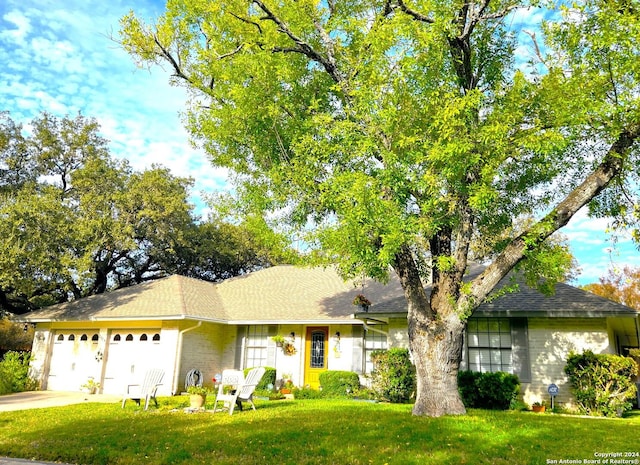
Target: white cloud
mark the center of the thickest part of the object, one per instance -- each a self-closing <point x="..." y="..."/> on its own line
<point x="21" y="27"/>
<point x="63" y="61"/>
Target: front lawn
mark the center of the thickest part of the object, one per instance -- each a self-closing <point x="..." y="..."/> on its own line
<point x="308" y="432"/>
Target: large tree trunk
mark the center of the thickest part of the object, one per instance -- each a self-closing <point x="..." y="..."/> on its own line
<point x="437" y="351"/>
<point x="435" y="334"/>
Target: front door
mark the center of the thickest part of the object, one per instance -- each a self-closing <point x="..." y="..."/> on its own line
<point x="315" y="355"/>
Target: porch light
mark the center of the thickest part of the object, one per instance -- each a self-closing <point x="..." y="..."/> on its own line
<point x="293" y="336"/>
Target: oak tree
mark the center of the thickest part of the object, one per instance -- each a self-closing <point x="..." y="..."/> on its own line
<point x="76" y="222"/>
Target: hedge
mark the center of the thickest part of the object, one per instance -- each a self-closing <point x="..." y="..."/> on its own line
<point x="336" y="383"/>
<point x="494" y="390"/>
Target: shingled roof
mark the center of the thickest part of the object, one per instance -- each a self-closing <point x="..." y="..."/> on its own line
<point x="174" y="297"/>
<point x="566" y="302"/>
<point x="294" y="294"/>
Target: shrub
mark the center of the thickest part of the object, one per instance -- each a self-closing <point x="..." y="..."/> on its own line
<point x="467" y="387"/>
<point x="394" y="376"/>
<point x="602" y="384"/>
<point x="14" y="373"/>
<point x="306" y="393"/>
<point x="337" y="383"/>
<point x="497" y="390"/>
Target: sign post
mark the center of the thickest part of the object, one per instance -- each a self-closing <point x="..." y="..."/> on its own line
<point x="553" y="391"/>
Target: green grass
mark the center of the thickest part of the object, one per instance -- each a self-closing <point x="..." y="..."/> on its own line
<point x="306" y="432"/>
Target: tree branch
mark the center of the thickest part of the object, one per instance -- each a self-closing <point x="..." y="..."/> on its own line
<point x="248" y="21"/>
<point x="411" y="12"/>
<point x="301" y="46"/>
<point x="609" y="169"/>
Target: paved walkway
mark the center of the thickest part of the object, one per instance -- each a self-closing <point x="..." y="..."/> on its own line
<point x="8" y="461"/>
<point x="42" y="399"/>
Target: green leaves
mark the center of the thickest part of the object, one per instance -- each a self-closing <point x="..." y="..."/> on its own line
<point x="374" y="126"/>
<point x="75" y="222"/>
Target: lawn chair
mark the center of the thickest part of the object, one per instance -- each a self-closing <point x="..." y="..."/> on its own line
<point x="243" y="393"/>
<point x="231" y="382"/>
<point x="146" y="390"/>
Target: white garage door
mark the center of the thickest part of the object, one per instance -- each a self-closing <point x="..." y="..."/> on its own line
<point x="131" y="353"/>
<point x="73" y="360"/>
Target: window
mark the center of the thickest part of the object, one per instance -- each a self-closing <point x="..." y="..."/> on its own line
<point x="129" y="337"/>
<point x="489" y="345"/>
<point x="144" y="337"/>
<point x="156" y="337"/>
<point x="84" y="337"/>
<point x="94" y="338"/>
<point x="374" y="340"/>
<point x="60" y="337"/>
<point x="72" y="337"/>
<point x="117" y="338"/>
<point x="256" y="346"/>
<point x="317" y="349"/>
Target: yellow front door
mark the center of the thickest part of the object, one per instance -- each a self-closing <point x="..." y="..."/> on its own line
<point x="315" y="355"/>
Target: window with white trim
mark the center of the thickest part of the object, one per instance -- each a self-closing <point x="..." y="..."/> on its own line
<point x="255" y="351"/>
<point x="489" y="345"/>
<point x="374" y="340"/>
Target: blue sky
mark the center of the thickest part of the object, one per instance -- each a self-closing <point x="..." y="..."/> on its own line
<point x="57" y="57"/>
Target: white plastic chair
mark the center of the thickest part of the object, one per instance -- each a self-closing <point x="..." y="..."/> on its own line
<point x="146" y="390"/>
<point x="244" y="389"/>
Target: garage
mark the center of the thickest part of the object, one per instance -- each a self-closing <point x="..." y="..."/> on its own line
<point x="130" y="353"/>
<point x="74" y="359"/>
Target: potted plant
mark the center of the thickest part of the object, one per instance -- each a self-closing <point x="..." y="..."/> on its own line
<point x="287" y="384"/>
<point x="539" y="407"/>
<point x="91" y="386"/>
<point x="198" y="396"/>
<point x="287" y="345"/>
<point x="361" y="301"/>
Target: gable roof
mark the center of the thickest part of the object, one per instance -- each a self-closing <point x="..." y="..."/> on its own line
<point x="567" y="302"/>
<point x="293" y="294"/>
<point x="174" y="297"/>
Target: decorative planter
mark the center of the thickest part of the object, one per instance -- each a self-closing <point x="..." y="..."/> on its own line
<point x="285" y="391"/>
<point x="538" y="408"/>
<point x="197" y="401"/>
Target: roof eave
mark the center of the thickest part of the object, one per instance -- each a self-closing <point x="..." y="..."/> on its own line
<point x="553" y="313"/>
<point x="309" y="322"/>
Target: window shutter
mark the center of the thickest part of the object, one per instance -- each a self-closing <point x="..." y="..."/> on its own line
<point x="357" y="363"/>
<point x="240" y="337"/>
<point x="520" y="349"/>
<point x="271" y="347"/>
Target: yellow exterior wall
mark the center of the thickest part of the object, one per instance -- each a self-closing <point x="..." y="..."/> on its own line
<point x="398" y="333"/>
<point x="550" y="342"/>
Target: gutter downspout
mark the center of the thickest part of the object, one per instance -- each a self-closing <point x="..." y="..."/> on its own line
<point x="178" y="361"/>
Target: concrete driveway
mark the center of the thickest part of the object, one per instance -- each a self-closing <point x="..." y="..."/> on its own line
<point x="42" y="399"/>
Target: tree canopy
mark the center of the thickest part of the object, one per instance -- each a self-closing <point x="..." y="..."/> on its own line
<point x="396" y="133"/>
<point x="621" y="286"/>
<point x="76" y="222"/>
